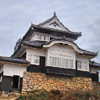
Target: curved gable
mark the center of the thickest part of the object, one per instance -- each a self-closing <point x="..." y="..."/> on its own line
<point x="74" y="46"/>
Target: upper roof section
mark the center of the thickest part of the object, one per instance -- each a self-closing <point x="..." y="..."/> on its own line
<point x="52" y="26"/>
<point x="54" y="23"/>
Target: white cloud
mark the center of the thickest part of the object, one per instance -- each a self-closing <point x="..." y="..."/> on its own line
<point x="77" y="15"/>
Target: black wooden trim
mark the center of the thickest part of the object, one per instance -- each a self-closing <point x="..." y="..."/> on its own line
<point x="61" y="71"/>
<point x="23" y="56"/>
<point x="36" y="68"/>
<point x="6" y="84"/>
<point x="33" y="68"/>
<point x="1" y="74"/>
<point x="42" y="64"/>
<point x="83" y="74"/>
<point x="76" y="65"/>
<point x="95" y="77"/>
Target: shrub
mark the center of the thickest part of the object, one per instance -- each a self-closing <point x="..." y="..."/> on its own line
<point x="57" y="92"/>
<point x="59" y="95"/>
<point x="69" y="97"/>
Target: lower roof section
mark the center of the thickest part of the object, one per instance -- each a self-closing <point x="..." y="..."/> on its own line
<point x="42" y="44"/>
<point x="13" y="60"/>
<point x="94" y="64"/>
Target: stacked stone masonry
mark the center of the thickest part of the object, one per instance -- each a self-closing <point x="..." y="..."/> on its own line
<point x="32" y="81"/>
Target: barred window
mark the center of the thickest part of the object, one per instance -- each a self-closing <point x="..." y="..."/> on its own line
<point x="79" y="64"/>
<point x="29" y="57"/>
<point x="61" y="62"/>
<point x="43" y="37"/>
<point x="36" y="59"/>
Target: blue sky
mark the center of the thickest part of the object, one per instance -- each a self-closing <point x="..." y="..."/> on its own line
<point x="16" y="17"/>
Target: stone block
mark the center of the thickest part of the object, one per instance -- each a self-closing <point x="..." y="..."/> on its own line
<point x="33" y="81"/>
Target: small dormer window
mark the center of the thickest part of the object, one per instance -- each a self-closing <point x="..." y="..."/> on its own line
<point x="43" y="37"/>
<point x="40" y="37"/>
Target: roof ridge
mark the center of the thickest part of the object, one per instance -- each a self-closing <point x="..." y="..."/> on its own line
<point x="49" y="19"/>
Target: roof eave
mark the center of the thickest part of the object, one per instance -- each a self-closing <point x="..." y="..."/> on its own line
<point x="90" y="55"/>
<point x="96" y="66"/>
<point x="56" y="30"/>
<point x="40" y="47"/>
<point x="16" y="51"/>
<point x="13" y="61"/>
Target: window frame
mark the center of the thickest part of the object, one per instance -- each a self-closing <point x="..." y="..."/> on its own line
<point x="30" y="57"/>
<point x="62" y="62"/>
<point x="36" y="59"/>
<point x="79" y="64"/>
<point x="42" y="37"/>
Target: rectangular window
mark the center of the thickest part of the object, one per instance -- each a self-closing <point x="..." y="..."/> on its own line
<point x="51" y="60"/>
<point x="42" y="37"/>
<point x="66" y="63"/>
<point x="47" y="38"/>
<point x="70" y="63"/>
<point x="79" y="64"/>
<point x="39" y="37"/>
<point x="29" y="57"/>
<point x="61" y="62"/>
<point x="85" y="65"/>
<point x="36" y="59"/>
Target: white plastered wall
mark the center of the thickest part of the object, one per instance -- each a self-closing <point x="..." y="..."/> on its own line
<point x="34" y="52"/>
<point x="83" y="59"/>
<point x="94" y="70"/>
<point x="33" y="37"/>
<point x="60" y="27"/>
<point x="13" y="69"/>
<point x="63" y="51"/>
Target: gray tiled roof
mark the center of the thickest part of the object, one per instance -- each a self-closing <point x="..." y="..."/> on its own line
<point x="56" y="30"/>
<point x="55" y="16"/>
<point x="48" y="20"/>
<point x="94" y="64"/>
<point x="45" y="29"/>
<point x="39" y="44"/>
<point x="14" y="60"/>
<point x="89" y="53"/>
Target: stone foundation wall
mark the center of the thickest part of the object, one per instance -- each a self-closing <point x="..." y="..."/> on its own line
<point x="32" y="81"/>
